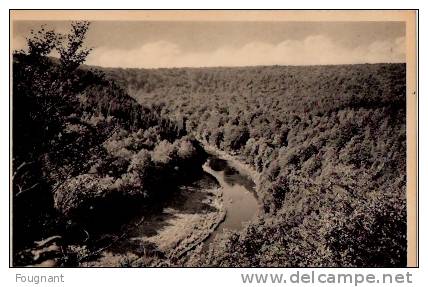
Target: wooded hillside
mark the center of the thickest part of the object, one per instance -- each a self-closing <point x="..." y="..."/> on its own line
<point x="330" y="142"/>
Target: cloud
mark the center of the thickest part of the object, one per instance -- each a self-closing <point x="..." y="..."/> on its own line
<point x="313" y="50"/>
<point x="19" y="42"/>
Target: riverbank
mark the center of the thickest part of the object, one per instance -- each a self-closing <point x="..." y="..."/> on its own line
<point x="194" y="215"/>
<point x="191" y="219"/>
<point x="163" y="238"/>
<point x="234" y="162"/>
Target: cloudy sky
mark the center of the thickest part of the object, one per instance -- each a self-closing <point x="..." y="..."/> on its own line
<point x="154" y="44"/>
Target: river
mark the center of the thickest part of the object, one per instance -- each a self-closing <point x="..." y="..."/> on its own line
<point x="238" y="195"/>
<point x="197" y="212"/>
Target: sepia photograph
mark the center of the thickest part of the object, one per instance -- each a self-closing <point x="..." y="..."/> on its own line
<point x="213" y="138"/>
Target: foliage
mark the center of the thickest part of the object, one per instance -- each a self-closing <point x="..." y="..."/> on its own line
<point x="329" y="142"/>
<point x="82" y="147"/>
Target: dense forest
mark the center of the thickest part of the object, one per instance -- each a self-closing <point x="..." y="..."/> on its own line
<point x="329" y="143"/>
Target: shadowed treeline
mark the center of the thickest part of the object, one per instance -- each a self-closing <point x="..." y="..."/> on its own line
<point x="85" y="154"/>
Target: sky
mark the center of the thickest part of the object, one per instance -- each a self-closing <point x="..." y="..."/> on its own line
<point x="159" y="44"/>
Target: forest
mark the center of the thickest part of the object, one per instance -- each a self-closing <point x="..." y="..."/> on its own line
<point x="329" y="142"/>
<point x="91" y="145"/>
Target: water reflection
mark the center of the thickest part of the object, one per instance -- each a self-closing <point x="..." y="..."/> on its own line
<point x="238" y="196"/>
<point x="231" y="175"/>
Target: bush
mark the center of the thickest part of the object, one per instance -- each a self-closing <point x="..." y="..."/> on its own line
<point x="163" y="153"/>
<point x="81" y="193"/>
<point x="186" y="150"/>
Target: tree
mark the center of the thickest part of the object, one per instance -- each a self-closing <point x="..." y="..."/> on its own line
<point x="235" y="136"/>
<point x="163" y="152"/>
<point x="72" y="53"/>
<point x="42" y="92"/>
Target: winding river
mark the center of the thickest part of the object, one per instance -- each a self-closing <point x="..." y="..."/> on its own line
<point x="238" y="195"/>
<point x="182" y="222"/>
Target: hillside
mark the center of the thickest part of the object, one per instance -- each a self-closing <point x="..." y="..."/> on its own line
<point x="330" y="142"/>
<point x="107" y="164"/>
<point x="86" y="156"/>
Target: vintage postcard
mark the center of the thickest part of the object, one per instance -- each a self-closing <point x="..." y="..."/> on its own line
<point x="182" y="138"/>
